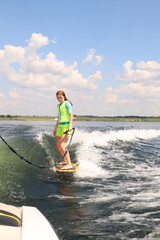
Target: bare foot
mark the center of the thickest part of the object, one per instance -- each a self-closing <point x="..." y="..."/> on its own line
<point x="67" y="167"/>
<point x="62" y="163"/>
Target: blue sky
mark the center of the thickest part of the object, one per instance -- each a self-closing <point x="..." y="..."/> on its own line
<point x="103" y="53"/>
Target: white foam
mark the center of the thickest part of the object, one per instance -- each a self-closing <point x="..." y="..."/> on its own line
<point x="40" y="135"/>
<point x="61" y="197"/>
<point x="39" y="138"/>
<point x="126" y="217"/>
<point x="89" y="154"/>
<point x="102" y="138"/>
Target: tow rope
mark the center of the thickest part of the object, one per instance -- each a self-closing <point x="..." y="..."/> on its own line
<point x="34" y="164"/>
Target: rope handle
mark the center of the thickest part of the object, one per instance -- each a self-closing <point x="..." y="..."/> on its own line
<point x="73" y="129"/>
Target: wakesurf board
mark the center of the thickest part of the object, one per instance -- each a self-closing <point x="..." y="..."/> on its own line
<point x="71" y="170"/>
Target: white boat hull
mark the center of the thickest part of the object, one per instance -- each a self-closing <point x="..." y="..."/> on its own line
<point x="34" y="225"/>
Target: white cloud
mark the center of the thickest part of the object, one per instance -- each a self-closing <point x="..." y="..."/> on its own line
<point x="150" y="65"/>
<point x="1" y="95"/>
<point x="18" y="94"/>
<point x="110" y="96"/>
<point x="36" y="79"/>
<point x="26" y="68"/>
<point x="140" y="92"/>
<point x="54" y="41"/>
<point x="132" y="91"/>
<point x="99" y="59"/>
<point x="30" y="101"/>
<point x="37" y="40"/>
<point x="144" y="71"/>
<point x="93" y="78"/>
<point x="91" y="57"/>
<point x="87" y="98"/>
<point x="75" y="79"/>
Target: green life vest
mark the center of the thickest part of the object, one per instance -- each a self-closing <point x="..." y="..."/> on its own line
<point x="63" y="114"/>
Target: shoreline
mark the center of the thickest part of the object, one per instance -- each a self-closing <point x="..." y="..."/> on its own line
<point x="82" y="118"/>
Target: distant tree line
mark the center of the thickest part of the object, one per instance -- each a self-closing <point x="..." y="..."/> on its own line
<point x="5" y="116"/>
<point x="8" y="116"/>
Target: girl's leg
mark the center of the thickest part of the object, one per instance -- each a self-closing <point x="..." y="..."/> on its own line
<point x="61" y="147"/>
<point x="58" y="146"/>
<point x="64" y="140"/>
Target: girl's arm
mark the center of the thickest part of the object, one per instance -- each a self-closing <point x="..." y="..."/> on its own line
<point x="70" y="121"/>
<point x="69" y="109"/>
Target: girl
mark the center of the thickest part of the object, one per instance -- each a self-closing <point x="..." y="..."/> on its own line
<point x="64" y="123"/>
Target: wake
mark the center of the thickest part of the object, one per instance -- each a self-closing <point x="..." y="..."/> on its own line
<point x="90" y="145"/>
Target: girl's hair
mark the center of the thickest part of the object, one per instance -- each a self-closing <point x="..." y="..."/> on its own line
<point x="61" y="92"/>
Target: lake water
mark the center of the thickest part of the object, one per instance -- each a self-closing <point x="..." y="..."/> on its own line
<point x="114" y="195"/>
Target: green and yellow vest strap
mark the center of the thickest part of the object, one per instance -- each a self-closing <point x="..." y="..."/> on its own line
<point x="63" y="114"/>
